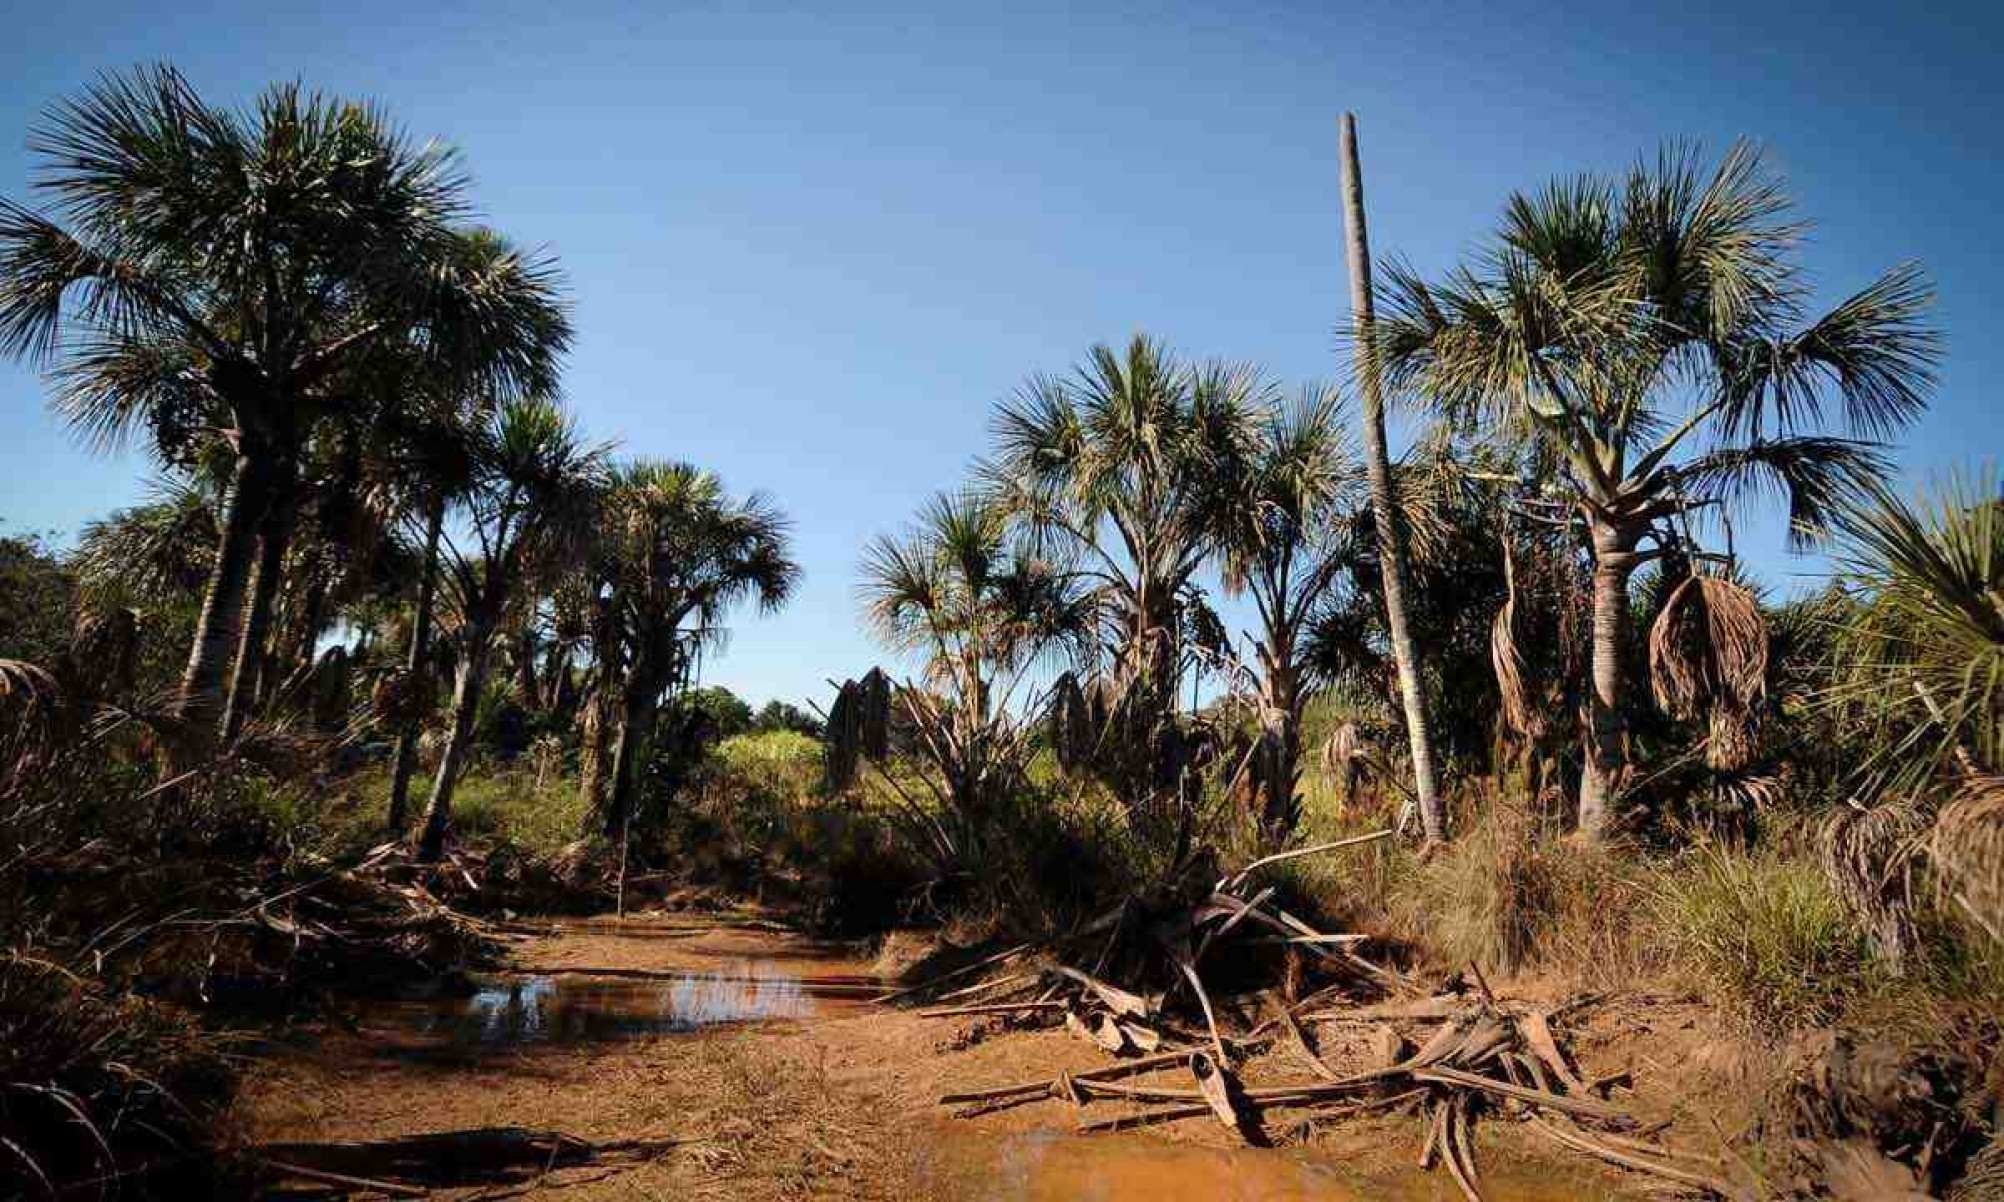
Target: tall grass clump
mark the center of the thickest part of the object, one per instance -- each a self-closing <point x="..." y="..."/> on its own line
<point x="1510" y="899"/>
<point x="1767" y="932"/>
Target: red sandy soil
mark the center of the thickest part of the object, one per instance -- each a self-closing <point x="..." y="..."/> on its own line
<point x="843" y="1103"/>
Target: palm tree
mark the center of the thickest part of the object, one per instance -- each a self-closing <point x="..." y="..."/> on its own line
<point x="680" y="551"/>
<point x="529" y="507"/>
<point x="1391" y="531"/>
<point x="216" y="269"/>
<point x="1282" y="542"/>
<point x="1918" y="655"/>
<point x="1108" y="472"/>
<point x="979" y="613"/>
<point x="427" y="463"/>
<point x="1648" y="339"/>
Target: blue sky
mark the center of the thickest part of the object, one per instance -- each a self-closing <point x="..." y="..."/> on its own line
<point x="810" y="248"/>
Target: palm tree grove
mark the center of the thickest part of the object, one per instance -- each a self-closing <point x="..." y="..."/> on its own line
<point x="829" y="642"/>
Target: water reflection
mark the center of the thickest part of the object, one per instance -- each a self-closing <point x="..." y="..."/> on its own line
<point x="566" y="1008"/>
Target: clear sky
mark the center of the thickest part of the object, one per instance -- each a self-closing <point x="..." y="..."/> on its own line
<point x="811" y="248"/>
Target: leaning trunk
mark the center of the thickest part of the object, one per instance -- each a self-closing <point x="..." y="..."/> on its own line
<point x="218" y="631"/>
<point x="465" y="701"/>
<point x="1600" y="782"/>
<point x="415" y="670"/>
<point x="252" y="655"/>
<point x="1391" y="533"/>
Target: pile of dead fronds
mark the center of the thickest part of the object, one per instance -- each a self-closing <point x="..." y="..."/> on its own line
<point x="1184" y="995"/>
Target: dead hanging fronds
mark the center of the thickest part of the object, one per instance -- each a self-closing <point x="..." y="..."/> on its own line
<point x="857" y="727"/>
<point x="103" y="650"/>
<point x="1071" y="723"/>
<point x="1708" y="656"/>
<point x="1870" y="856"/>
<point x="1523" y="716"/>
<point x="1968" y="848"/>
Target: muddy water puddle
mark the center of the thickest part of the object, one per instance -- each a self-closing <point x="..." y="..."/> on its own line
<point x="574" y="1006"/>
<point x="1058" y="1166"/>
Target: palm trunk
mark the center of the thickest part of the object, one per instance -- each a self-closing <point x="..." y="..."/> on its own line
<point x="525" y="665"/>
<point x="218" y="631"/>
<point x="1601" y="780"/>
<point x="414" y="667"/>
<point x="465" y="701"/>
<point x="252" y="653"/>
<point x="1281" y="753"/>
<point x="1391" y="533"/>
<point x="636" y="728"/>
<point x="593" y="746"/>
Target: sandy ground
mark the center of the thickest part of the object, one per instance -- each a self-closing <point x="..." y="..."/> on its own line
<point x="836" y="1100"/>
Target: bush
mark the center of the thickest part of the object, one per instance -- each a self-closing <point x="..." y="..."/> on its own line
<point x="1767" y="931"/>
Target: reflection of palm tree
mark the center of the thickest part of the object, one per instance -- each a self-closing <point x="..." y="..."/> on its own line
<point x="1616" y="324"/>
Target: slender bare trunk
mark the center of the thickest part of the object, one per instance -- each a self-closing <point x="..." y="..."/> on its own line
<point x="465" y="701"/>
<point x="253" y="655"/>
<point x="415" y="667"/>
<point x="594" y="744"/>
<point x="1391" y="532"/>
<point x="1601" y="781"/>
<point x="218" y="631"/>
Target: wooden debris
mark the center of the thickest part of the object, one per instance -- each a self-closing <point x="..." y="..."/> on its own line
<point x="1214" y="1082"/>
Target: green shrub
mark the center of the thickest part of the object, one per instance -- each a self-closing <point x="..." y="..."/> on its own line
<point x="1766" y="931"/>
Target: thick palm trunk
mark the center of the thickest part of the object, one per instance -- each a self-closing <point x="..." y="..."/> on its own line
<point x="1601" y="780"/>
<point x="1391" y="534"/>
<point x="253" y="658"/>
<point x="465" y="701"/>
<point x="414" y="668"/>
<point x="1279" y="756"/>
<point x="219" y="630"/>
<point x="525" y="665"/>
<point x="636" y="730"/>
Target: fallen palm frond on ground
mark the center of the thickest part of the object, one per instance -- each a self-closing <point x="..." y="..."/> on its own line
<point x="1181" y="1041"/>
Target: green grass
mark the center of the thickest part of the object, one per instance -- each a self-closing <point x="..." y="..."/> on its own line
<point x="1767" y="933"/>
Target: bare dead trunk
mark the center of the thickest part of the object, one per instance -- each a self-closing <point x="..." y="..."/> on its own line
<point x="1391" y="532"/>
<point x="415" y="667"/>
<point x="1602" y="778"/>
<point x="219" y="630"/>
<point x="465" y="702"/>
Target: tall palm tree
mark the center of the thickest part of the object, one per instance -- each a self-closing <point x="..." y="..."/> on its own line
<point x="220" y="269"/>
<point x="1649" y="338"/>
<point x="1283" y="543"/>
<point x="424" y="464"/>
<point x="1391" y="531"/>
<point x="1107" y="472"/>
<point x="533" y="494"/>
<point x="681" y="555"/>
<point x="978" y="613"/>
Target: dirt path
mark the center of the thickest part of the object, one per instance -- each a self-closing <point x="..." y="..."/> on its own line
<point x="748" y="1064"/>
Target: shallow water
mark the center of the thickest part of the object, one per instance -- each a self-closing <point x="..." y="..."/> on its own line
<point x="1058" y="1166"/>
<point x="573" y="1007"/>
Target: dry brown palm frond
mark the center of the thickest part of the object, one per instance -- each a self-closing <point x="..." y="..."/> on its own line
<point x="1709" y="643"/>
<point x="1708" y="654"/>
<point x="1968" y="847"/>
<point x="1870" y="855"/>
<point x="1520" y="713"/>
